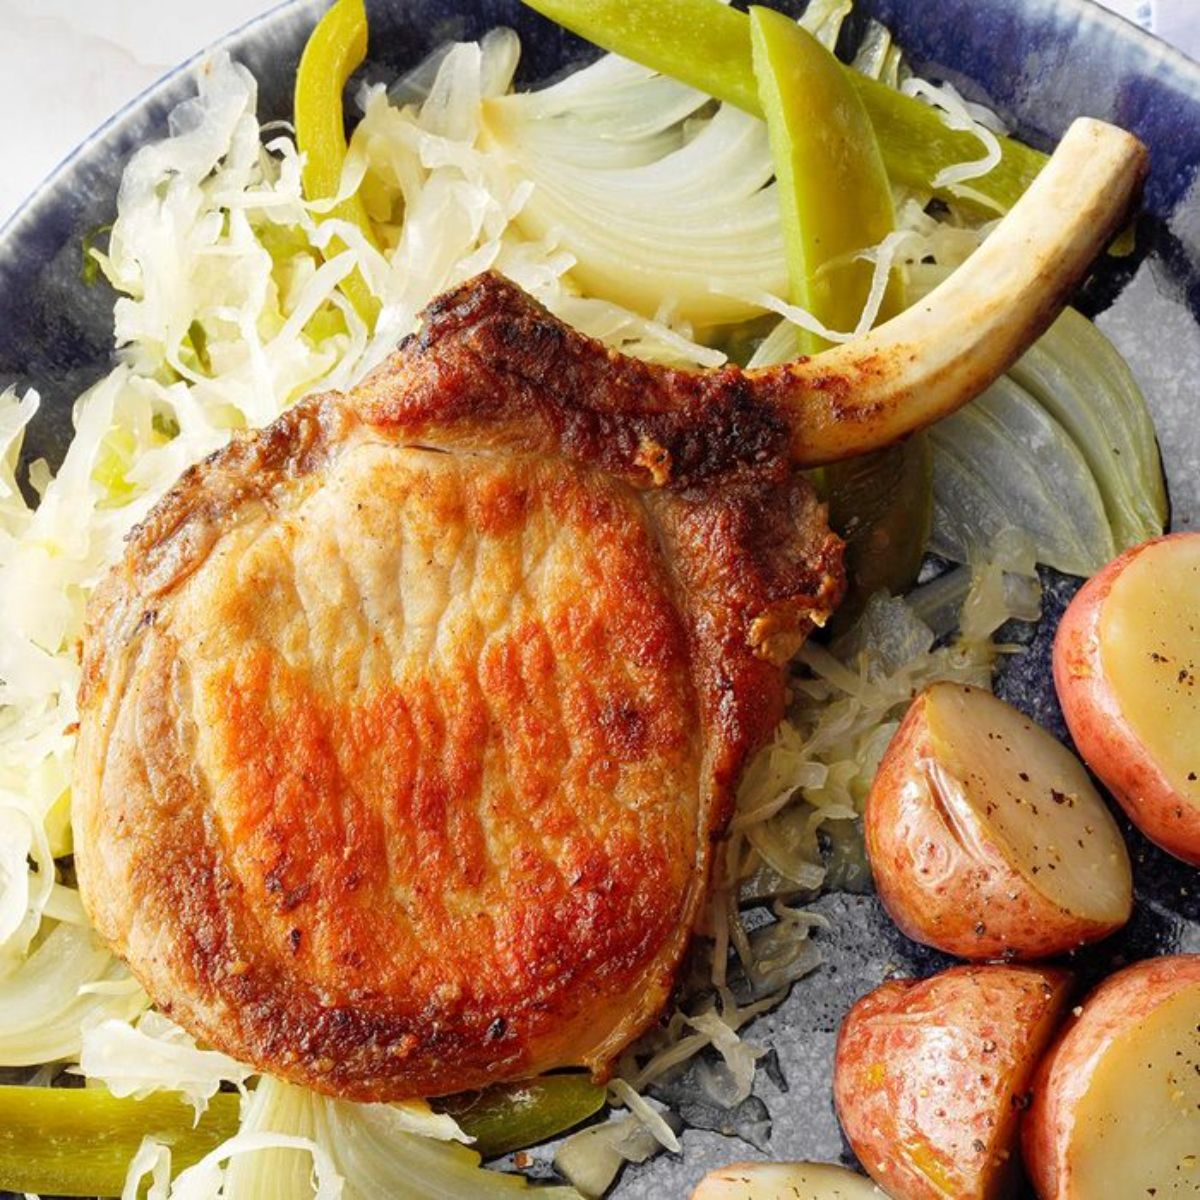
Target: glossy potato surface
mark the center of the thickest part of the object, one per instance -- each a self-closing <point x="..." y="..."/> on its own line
<point x="986" y="837"/>
<point x="929" y="1077"/>
<point x="1127" y="671"/>
<point x="1116" y="1103"/>
<point x="785" y="1181"/>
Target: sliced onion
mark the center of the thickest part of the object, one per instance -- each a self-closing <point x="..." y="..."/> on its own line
<point x="1075" y="373"/>
<point x="23" y="892"/>
<point x="824" y="18"/>
<point x="203" y="1180"/>
<point x="1093" y="459"/>
<point x="783" y="953"/>
<point x="43" y="1006"/>
<point x="591" y="1158"/>
<point x="1004" y="463"/>
<point x="368" y="1150"/>
<point x="878" y="56"/>
<point x="788" y="845"/>
<point x="652" y="209"/>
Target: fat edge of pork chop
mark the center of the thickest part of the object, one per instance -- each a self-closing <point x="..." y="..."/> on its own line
<point x="409" y="723"/>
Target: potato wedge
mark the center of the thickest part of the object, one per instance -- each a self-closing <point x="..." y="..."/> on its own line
<point x="929" y="1077"/>
<point x="986" y="836"/>
<point x="1127" y="670"/>
<point x="1116" y="1102"/>
<point x="785" y="1181"/>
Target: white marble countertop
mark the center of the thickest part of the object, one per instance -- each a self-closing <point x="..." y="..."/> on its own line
<point x="66" y="65"/>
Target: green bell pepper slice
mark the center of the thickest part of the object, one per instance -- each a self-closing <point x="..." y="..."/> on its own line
<point x="881" y="505"/>
<point x="706" y="44"/>
<point x="335" y="49"/>
<point x="835" y="199"/>
<point x="511" y="1116"/>
<point x="79" y="1141"/>
<point x="833" y="189"/>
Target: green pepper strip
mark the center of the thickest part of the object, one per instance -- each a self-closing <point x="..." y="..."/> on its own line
<point x="78" y="1141"/>
<point x="833" y="190"/>
<point x="334" y="51"/>
<point x="511" y="1116"/>
<point x="90" y="272"/>
<point x="835" y="199"/>
<point x="881" y="504"/>
<point x="706" y="44"/>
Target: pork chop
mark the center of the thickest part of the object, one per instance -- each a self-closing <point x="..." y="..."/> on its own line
<point x="409" y="723"/>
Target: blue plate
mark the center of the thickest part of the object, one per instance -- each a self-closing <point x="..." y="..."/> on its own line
<point x="1039" y="63"/>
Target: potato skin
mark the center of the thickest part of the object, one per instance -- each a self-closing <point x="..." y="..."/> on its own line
<point x="1106" y="740"/>
<point x="929" y="1076"/>
<point x="785" y="1181"/>
<point x="959" y="895"/>
<point x="1065" y="1073"/>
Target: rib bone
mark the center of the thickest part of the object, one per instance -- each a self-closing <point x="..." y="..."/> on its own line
<point x="940" y="353"/>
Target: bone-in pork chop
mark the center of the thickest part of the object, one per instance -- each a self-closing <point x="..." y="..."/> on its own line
<point x="408" y="724"/>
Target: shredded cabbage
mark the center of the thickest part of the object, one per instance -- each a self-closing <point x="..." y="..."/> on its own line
<point x="660" y="1054"/>
<point x="955" y="112"/>
<point x="137" y="1060"/>
<point x="153" y="1159"/>
<point x="371" y="1150"/>
<point x="620" y="1092"/>
<point x="847" y="702"/>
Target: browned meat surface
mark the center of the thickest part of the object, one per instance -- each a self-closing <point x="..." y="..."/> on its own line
<point x="410" y="720"/>
<point x="409" y="723"/>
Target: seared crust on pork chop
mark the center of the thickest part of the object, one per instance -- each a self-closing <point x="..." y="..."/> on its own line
<point x="409" y="722"/>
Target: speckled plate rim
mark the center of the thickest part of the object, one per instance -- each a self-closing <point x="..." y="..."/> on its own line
<point x="26" y="211"/>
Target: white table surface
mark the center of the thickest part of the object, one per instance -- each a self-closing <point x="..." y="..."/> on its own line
<point x="66" y="65"/>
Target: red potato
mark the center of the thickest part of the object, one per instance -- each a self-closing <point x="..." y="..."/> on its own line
<point x="1127" y="670"/>
<point x="986" y="837"/>
<point x="929" y="1077"/>
<point x="785" y="1181"/>
<point x="1116" y="1103"/>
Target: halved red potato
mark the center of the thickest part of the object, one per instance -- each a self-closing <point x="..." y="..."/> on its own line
<point x="929" y="1077"/>
<point x="1127" y="670"/>
<point x="1116" y="1103"/>
<point x="986" y="837"/>
<point x="785" y="1181"/>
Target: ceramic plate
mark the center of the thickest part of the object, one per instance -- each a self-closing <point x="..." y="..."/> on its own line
<point x="1038" y="63"/>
